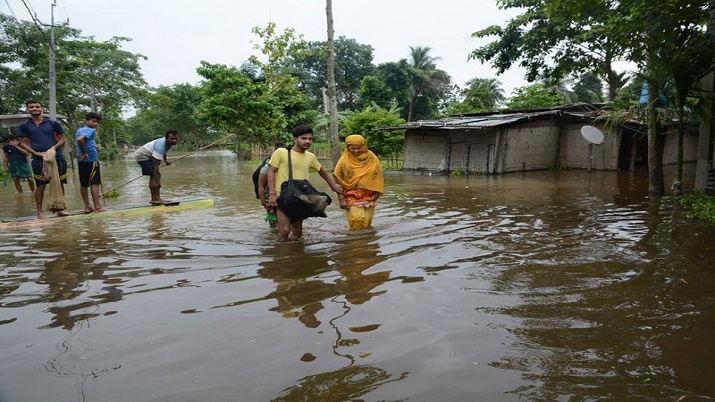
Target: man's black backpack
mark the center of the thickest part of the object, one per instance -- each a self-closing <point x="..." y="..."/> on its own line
<point x="257" y="173"/>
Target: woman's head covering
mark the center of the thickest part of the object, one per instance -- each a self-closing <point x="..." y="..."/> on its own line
<point x="362" y="171"/>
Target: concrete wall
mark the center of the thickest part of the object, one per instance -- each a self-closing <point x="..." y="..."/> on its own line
<point x="577" y="153"/>
<point x="531" y="145"/>
<point x="472" y="150"/>
<point x="528" y="146"/>
<point x="690" y="148"/>
<point x="425" y="150"/>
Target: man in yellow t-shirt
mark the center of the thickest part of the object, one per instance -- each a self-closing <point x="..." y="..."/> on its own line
<point x="302" y="162"/>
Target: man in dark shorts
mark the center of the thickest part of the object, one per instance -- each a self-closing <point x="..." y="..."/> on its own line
<point x="149" y="157"/>
<point x="88" y="162"/>
<point x="38" y="134"/>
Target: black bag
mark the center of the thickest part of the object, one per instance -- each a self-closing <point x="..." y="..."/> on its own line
<point x="257" y="174"/>
<point x="300" y="200"/>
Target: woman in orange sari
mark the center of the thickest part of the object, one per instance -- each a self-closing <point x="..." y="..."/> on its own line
<point x="359" y="172"/>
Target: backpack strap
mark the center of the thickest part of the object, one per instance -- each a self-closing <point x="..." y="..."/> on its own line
<point x="290" y="167"/>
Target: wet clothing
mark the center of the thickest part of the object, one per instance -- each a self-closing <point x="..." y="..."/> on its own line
<point x="17" y="162"/>
<point x="90" y="144"/>
<point x="147" y="167"/>
<point x="302" y="163"/>
<point x="156" y="149"/>
<point x="363" y="171"/>
<point x="362" y="180"/>
<point x="41" y="178"/>
<point x="89" y="173"/>
<point x="42" y="136"/>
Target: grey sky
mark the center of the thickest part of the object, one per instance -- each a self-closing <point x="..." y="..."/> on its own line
<point x="176" y="35"/>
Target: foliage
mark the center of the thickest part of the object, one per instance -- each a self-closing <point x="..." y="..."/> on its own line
<point x="701" y="206"/>
<point x="257" y="101"/>
<point x="382" y="143"/>
<point x="91" y="75"/>
<point x="554" y="39"/>
<point x="388" y="87"/>
<point x="168" y="107"/>
<point x="353" y="62"/>
<point x="232" y="102"/>
<point x="589" y="88"/>
<point x="428" y="83"/>
<point x="534" y="97"/>
<point x="481" y="95"/>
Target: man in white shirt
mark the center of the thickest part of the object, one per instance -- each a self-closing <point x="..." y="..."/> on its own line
<point x="149" y="157"/>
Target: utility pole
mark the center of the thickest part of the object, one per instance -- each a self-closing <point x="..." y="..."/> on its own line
<point x="53" y="74"/>
<point x="332" y="97"/>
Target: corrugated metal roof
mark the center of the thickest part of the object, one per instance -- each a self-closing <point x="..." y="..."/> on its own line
<point x="474" y="122"/>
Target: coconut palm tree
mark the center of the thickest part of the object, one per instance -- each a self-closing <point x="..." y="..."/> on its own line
<point x="489" y="91"/>
<point x="429" y="80"/>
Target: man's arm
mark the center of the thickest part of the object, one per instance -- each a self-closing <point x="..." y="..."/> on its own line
<point x="6" y="159"/>
<point x="272" y="187"/>
<point x="80" y="143"/>
<point x="331" y="182"/>
<point x="26" y="144"/>
<point x="60" y="142"/>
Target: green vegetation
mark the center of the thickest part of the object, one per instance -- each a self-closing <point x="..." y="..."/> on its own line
<point x="560" y="44"/>
<point x="699" y="205"/>
<point x="457" y="172"/>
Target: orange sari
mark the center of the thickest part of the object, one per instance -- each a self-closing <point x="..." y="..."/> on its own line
<point x="362" y="181"/>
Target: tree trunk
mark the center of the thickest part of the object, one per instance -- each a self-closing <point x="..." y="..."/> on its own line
<point x="332" y="101"/>
<point x="611" y="76"/>
<point x="655" y="146"/>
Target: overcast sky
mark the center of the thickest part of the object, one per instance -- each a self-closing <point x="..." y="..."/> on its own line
<point x="175" y="35"/>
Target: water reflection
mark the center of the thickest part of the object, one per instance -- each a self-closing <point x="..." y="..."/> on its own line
<point x="346" y="384"/>
<point x="72" y="275"/>
<point x="538" y="286"/>
<point x="358" y="253"/>
<point x="300" y="290"/>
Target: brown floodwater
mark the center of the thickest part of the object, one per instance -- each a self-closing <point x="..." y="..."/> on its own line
<point x="545" y="285"/>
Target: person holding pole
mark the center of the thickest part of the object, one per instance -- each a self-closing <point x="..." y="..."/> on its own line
<point x="149" y="157"/>
<point x="88" y="162"/>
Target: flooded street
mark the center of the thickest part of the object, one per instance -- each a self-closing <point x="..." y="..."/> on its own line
<point x="537" y="286"/>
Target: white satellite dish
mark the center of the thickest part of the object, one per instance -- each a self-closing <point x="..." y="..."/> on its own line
<point x="592" y="134"/>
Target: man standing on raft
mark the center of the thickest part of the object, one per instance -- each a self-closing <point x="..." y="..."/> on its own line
<point x="149" y="157"/>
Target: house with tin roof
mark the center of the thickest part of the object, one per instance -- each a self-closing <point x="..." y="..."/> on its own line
<point x="514" y="141"/>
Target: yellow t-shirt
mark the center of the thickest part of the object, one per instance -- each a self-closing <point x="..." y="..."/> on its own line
<point x="302" y="164"/>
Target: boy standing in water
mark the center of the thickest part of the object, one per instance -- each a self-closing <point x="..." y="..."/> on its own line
<point x="88" y="162"/>
<point x="15" y="162"/>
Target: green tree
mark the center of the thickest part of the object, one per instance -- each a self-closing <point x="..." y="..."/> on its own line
<point x="91" y="75"/>
<point x="554" y="39"/>
<point x="170" y="107"/>
<point x="382" y="143"/>
<point x="481" y="95"/>
<point x="353" y="62"/>
<point x="534" y="96"/>
<point x="389" y="86"/>
<point x="427" y="85"/>
<point x="588" y="88"/>
<point x="261" y="99"/>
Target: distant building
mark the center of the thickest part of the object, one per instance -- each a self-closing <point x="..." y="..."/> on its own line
<point x="513" y="141"/>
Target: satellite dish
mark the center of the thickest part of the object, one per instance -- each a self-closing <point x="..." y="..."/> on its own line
<point x="592" y="134"/>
